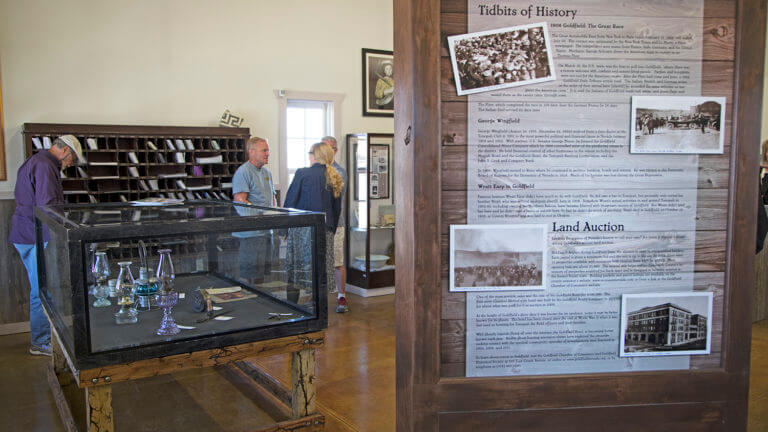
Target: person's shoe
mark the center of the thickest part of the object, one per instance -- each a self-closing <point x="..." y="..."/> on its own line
<point x="341" y="305"/>
<point x="42" y="350"/>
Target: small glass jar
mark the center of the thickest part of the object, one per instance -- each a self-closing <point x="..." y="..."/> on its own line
<point x="100" y="272"/>
<point x="125" y="287"/>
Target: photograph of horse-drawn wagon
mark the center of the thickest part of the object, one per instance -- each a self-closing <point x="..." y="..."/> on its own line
<point x="683" y="124"/>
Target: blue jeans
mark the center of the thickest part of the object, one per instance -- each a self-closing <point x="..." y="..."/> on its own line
<point x="39" y="329"/>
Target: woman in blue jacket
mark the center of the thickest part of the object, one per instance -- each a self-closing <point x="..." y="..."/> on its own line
<point x="317" y="188"/>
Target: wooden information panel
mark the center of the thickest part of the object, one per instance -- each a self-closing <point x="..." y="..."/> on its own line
<point x="436" y="129"/>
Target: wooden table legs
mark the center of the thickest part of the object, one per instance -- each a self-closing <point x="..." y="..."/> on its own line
<point x="94" y="404"/>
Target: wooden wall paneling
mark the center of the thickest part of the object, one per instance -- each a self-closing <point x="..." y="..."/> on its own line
<point x="712" y="8"/>
<point x="453" y="348"/>
<point x="700" y="390"/>
<point x="760" y="301"/>
<point x="417" y="124"/>
<point x="14" y="284"/>
<point x="750" y="52"/>
<point x="716" y="80"/>
<point x="688" y="417"/>
<point x="713" y="169"/>
<point x="719" y="35"/>
<point x="580" y="391"/>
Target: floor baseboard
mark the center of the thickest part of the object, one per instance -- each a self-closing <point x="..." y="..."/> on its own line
<point x="13" y="328"/>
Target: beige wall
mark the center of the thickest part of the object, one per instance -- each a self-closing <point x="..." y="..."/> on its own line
<point x="182" y="62"/>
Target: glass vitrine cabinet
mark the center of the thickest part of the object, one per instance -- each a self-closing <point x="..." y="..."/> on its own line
<point x="370" y="214"/>
<point x="241" y="274"/>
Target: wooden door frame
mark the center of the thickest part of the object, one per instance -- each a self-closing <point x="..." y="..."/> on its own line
<point x="421" y="392"/>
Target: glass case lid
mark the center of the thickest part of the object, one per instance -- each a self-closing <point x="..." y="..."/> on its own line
<point x="131" y="213"/>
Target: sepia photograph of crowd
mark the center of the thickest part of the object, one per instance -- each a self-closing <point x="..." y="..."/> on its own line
<point x="682" y="124"/>
<point x="656" y="324"/>
<point x="501" y="58"/>
<point x="498" y="257"/>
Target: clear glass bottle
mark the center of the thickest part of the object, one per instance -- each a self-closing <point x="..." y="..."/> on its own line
<point x="165" y="274"/>
<point x="166" y="297"/>
<point x="100" y="272"/>
<point x="126" y="293"/>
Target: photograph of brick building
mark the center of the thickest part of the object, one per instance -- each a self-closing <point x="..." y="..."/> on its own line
<point x="658" y="324"/>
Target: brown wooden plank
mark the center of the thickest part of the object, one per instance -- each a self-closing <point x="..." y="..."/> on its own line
<point x="712" y="8"/>
<point x="583" y="390"/>
<point x="14" y="284"/>
<point x="311" y="423"/>
<point x="455" y="308"/>
<point x="417" y="122"/>
<point x="760" y="302"/>
<point x="685" y="417"/>
<point x="452" y="370"/>
<point x="213" y="357"/>
<point x="99" y="408"/>
<point x="709" y="254"/>
<point x="713" y="169"/>
<point x="718" y="36"/>
<point x="405" y="31"/>
<point x="716" y="80"/>
<point x="131" y="130"/>
<point x="65" y="413"/>
<point x="740" y="281"/>
<point x="454" y="127"/>
<point x="710" y="203"/>
<point x="303" y="400"/>
<point x="710" y="251"/>
<point x="262" y="378"/>
<point x="453" y="340"/>
<point x="264" y="398"/>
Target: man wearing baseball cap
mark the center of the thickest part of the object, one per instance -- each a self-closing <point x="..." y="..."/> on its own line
<point x="38" y="183"/>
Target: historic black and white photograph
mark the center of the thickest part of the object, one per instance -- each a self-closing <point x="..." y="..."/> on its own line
<point x="498" y="257"/>
<point x="677" y="124"/>
<point x="658" y="324"/>
<point x="378" y="83"/>
<point x="501" y="58"/>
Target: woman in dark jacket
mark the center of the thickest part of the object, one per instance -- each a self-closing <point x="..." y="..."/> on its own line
<point x="317" y="188"/>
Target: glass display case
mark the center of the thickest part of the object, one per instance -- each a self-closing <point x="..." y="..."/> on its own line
<point x="370" y="238"/>
<point x="126" y="281"/>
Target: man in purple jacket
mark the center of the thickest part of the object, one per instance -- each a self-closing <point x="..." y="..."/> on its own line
<point x="38" y="183"/>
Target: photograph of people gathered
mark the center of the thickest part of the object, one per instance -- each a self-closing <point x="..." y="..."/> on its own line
<point x="498" y="257"/>
<point x="501" y="58"/>
<point x="683" y="124"/>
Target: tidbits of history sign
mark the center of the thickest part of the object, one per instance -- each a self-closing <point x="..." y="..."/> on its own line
<point x="556" y="153"/>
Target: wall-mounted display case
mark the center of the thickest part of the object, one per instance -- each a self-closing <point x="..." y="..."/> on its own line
<point x="241" y="273"/>
<point x="370" y="215"/>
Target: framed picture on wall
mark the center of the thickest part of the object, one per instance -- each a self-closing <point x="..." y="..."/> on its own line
<point x="378" y="83"/>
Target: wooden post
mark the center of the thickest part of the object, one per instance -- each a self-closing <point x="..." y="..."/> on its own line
<point x="58" y="360"/>
<point x="98" y="404"/>
<point x="303" y="402"/>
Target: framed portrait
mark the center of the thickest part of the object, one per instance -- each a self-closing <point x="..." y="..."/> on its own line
<point x="378" y="83"/>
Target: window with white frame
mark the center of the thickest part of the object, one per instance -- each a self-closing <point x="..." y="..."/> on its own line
<point x="305" y="118"/>
<point x="307" y="122"/>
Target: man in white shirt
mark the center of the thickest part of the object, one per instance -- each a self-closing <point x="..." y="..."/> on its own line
<point x="252" y="184"/>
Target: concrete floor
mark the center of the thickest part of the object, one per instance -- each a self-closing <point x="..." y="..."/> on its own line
<point x="356" y="384"/>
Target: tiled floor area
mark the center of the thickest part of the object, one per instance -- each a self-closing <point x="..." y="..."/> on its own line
<point x="356" y="384"/>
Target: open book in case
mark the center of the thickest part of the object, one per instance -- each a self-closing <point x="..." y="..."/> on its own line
<point x="127" y="163"/>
